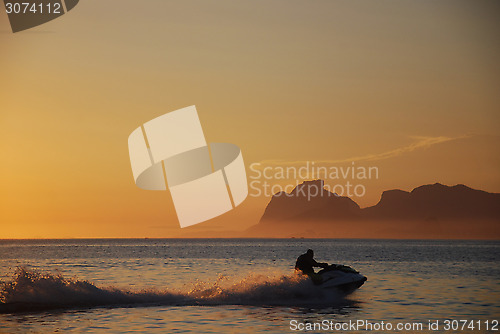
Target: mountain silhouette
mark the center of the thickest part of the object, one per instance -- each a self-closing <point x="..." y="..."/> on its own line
<point x="433" y="210"/>
<point x="309" y="200"/>
<point x="436" y="202"/>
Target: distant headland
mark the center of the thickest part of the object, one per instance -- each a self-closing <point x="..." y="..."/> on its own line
<point x="432" y="211"/>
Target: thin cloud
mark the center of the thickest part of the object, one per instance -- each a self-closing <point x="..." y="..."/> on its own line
<point x="420" y="143"/>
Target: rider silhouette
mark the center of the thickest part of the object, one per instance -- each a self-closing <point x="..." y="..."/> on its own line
<point x="305" y="264"/>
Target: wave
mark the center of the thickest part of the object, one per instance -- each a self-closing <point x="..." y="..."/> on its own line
<point x="31" y="290"/>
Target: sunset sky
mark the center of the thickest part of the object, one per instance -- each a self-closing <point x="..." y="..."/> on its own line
<point x="410" y="87"/>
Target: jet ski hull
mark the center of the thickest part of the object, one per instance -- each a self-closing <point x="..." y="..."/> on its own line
<point x="342" y="278"/>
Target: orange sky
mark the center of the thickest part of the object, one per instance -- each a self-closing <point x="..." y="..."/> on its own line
<point x="408" y="87"/>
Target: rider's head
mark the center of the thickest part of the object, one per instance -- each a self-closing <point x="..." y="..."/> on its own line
<point x="310" y="252"/>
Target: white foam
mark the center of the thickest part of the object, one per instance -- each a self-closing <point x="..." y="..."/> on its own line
<point x="34" y="290"/>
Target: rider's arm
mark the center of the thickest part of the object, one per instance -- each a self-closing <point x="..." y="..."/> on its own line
<point x="319" y="264"/>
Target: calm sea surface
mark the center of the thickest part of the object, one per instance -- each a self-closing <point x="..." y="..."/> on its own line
<point x="243" y="285"/>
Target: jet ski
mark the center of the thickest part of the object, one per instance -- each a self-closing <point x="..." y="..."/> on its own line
<point x="344" y="278"/>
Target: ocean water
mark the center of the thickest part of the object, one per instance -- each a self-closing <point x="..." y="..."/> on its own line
<point x="245" y="286"/>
